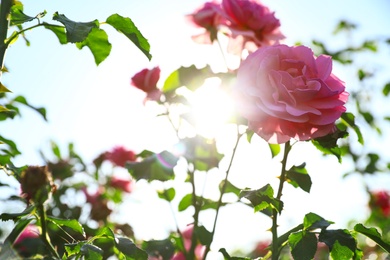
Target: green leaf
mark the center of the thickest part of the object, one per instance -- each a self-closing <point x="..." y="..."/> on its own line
<point x="128" y="248"/>
<point x="190" y="77"/>
<point x="263" y="198"/>
<point x="73" y="248"/>
<point x="185" y="202"/>
<point x="159" y="248"/>
<point x="303" y="245"/>
<point x="40" y="110"/>
<point x="340" y="242"/>
<point x="75" y="31"/>
<point x="341" y="252"/>
<point x="70" y="223"/>
<point x="230" y="188"/>
<point x="249" y="135"/>
<point x="205" y="237"/>
<point x="202" y="152"/>
<point x="19" y="227"/>
<point x="373" y="234"/>
<point x="298" y="177"/>
<point x="92" y="251"/>
<point x="313" y="221"/>
<point x="167" y="195"/>
<point x="4" y="109"/>
<point x="328" y="144"/>
<point x="3" y="89"/>
<point x="97" y="42"/>
<point x="275" y="149"/>
<point x="349" y="120"/>
<point x="16" y="216"/>
<point x="126" y="26"/>
<point x="155" y="167"/>
<point x="226" y="256"/>
<point x="344" y="26"/>
<point x="105" y="232"/>
<point x="386" y="89"/>
<point x="59" y="31"/>
<point x="17" y="15"/>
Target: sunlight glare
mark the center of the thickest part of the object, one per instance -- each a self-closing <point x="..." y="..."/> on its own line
<point x="212" y="108"/>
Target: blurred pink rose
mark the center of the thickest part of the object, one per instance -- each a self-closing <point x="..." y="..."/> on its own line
<point x="125" y="185"/>
<point x="120" y="155"/>
<point x="262" y="248"/>
<point x="187" y="236"/>
<point x="286" y="92"/>
<point x="31" y="231"/>
<point x="251" y="25"/>
<point x="146" y="80"/>
<point x="28" y="242"/>
<point x="381" y="200"/>
<point x="208" y="17"/>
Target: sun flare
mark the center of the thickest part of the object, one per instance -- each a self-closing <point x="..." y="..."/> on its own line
<point x="212" y="108"/>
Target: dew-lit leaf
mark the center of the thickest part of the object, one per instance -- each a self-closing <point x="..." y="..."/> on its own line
<point x="97" y="42"/>
<point x="349" y="119"/>
<point x="70" y="223"/>
<point x="129" y="249"/>
<point x="75" y="31"/>
<point x="126" y="26"/>
<point x="298" y="177"/>
<point x="303" y="245"/>
<point x="58" y="31"/>
<point x="313" y="221"/>
<point x="373" y="234"/>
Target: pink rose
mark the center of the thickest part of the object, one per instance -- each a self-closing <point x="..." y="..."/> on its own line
<point x="121" y="184"/>
<point x="120" y="155"/>
<point x="286" y="92"/>
<point x="31" y="231"/>
<point x="381" y="200"/>
<point x="208" y="17"/>
<point x="146" y="80"/>
<point x="187" y="237"/>
<point x="251" y="24"/>
<point x="28" y="242"/>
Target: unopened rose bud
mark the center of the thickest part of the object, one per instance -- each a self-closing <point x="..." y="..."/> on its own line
<point x="36" y="183"/>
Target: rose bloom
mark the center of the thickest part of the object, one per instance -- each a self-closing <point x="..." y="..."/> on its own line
<point x="286" y="92"/>
<point x="381" y="200"/>
<point x="28" y="242"/>
<point x="125" y="185"/>
<point x="208" y="17"/>
<point x="187" y="237"/>
<point x="120" y="155"/>
<point x="251" y="24"/>
<point x="146" y="80"/>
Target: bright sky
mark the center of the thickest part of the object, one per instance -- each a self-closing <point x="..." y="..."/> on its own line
<point x="96" y="108"/>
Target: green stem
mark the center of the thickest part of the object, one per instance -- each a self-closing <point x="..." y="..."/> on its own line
<point x="282" y="179"/>
<point x="223" y="189"/>
<point x="197" y="205"/>
<point x="4" y="24"/>
<point x="44" y="235"/>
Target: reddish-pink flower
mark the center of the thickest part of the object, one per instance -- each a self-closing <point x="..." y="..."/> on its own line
<point x="381" y="200"/>
<point x="187" y="237"/>
<point x="262" y="248"/>
<point x="208" y="17"/>
<point x="125" y="185"/>
<point x="146" y="80"/>
<point x="120" y="155"/>
<point x="286" y="92"/>
<point x="28" y="243"/>
<point x="31" y="231"/>
<point x="251" y="24"/>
